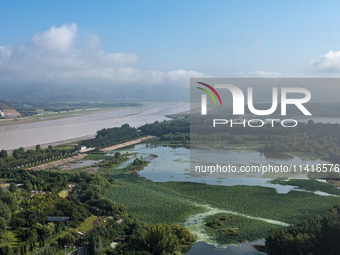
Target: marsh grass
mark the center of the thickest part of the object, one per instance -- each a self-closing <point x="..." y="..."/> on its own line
<point x="227" y="229"/>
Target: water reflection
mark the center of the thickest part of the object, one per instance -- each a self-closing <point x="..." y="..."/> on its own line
<point x="173" y="164"/>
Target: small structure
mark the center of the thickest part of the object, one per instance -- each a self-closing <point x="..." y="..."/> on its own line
<point x="81" y="148"/>
<point x="53" y="219"/>
<point x="120" y="220"/>
<point x="121" y="238"/>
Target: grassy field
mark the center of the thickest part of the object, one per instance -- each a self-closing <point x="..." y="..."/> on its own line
<point x="146" y="203"/>
<point x="11" y="239"/>
<point x="87" y="224"/>
<point x="174" y="201"/>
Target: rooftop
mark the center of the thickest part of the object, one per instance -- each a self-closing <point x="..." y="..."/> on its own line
<point x="59" y="219"/>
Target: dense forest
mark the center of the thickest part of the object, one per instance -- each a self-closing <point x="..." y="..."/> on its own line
<point x="315" y="236"/>
<point x="315" y="138"/>
<point x="111" y="136"/>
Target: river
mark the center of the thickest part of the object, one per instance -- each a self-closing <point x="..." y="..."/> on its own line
<point x="77" y="126"/>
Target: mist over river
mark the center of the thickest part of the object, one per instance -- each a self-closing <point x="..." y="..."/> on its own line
<point x="76" y="126"/>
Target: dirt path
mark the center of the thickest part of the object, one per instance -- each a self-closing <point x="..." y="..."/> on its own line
<point x="58" y="162"/>
<point x="81" y="156"/>
<point x="118" y="146"/>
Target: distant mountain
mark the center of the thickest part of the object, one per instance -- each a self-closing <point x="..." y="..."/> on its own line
<point x="77" y="93"/>
<point x="7" y="111"/>
<point x="5" y="106"/>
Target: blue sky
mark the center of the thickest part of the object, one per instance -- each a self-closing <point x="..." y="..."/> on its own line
<point x="163" y="41"/>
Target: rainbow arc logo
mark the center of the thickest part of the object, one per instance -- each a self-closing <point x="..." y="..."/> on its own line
<point x="209" y="93"/>
<point x="204" y="97"/>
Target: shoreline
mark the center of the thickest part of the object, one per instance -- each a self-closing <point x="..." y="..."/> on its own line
<point x="13" y="128"/>
<point x="68" y="141"/>
<point x="33" y="119"/>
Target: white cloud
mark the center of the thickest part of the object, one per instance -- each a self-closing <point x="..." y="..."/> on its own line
<point x="264" y="74"/>
<point x="328" y="63"/>
<point x="5" y="51"/>
<point x="175" y="77"/>
<point x="55" y="57"/>
<point x="60" y="38"/>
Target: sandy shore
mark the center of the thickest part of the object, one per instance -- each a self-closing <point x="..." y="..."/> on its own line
<point x="24" y="120"/>
<point x="69" y="141"/>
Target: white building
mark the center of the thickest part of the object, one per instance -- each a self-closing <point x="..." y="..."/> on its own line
<point x="81" y="148"/>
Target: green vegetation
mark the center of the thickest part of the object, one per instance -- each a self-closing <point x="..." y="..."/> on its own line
<point x="226" y="228"/>
<point x="150" y="200"/>
<point x="319" y="139"/>
<point x="143" y="239"/>
<point x="63" y="194"/>
<point x="318" y="236"/>
<point x="177" y="131"/>
<point x="138" y="164"/>
<point x="87" y="224"/>
<point x="236" y="213"/>
<point x="315" y="139"/>
<point x="309" y="185"/>
<point x="39" y="198"/>
<point x="111" y="136"/>
<point x="22" y="158"/>
<point x="255" y="201"/>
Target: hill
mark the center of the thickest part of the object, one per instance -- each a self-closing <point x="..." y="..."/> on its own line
<point x="7" y="111"/>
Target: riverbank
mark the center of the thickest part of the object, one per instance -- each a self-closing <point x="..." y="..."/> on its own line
<point x="69" y="142"/>
<point x="53" y="116"/>
<point x="53" y="131"/>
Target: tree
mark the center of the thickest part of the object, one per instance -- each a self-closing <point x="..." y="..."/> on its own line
<point x="163" y="240"/>
<point x="67" y="239"/>
<point x="33" y="237"/>
<point x="11" y="200"/>
<point x="45" y="230"/>
<point x="6" y="250"/>
<point x="5" y="212"/>
<point x="12" y="187"/>
<point x="3" y="154"/>
<point x="184" y="235"/>
<point x="18" y="221"/>
<point x="2" y="226"/>
<point x="37" y="148"/>
<point x="2" y="192"/>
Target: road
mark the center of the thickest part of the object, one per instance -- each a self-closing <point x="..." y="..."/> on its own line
<point x="118" y="146"/>
<point x="58" y="162"/>
<point x="84" y="249"/>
